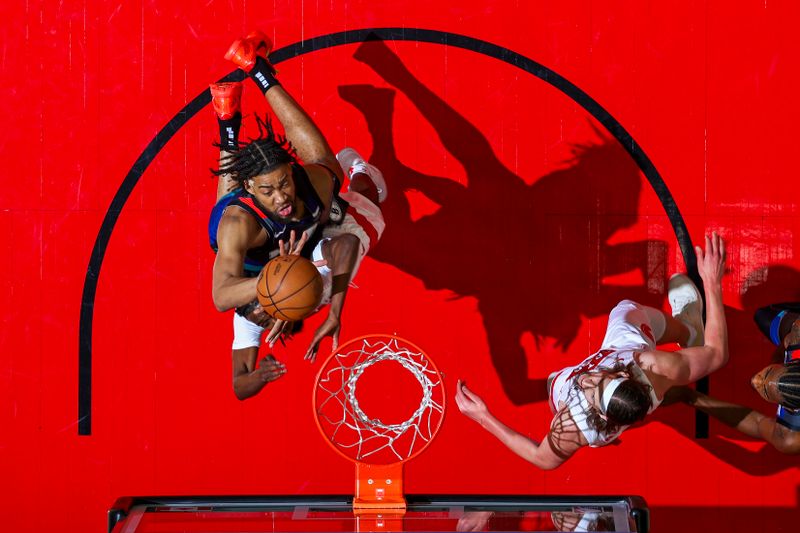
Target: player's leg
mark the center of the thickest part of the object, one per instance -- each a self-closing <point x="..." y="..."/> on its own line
<point x="686" y="325"/>
<point x="362" y="220"/>
<point x="250" y="54"/>
<point x="226" y="100"/>
<point x="365" y="179"/>
<point x="633" y="325"/>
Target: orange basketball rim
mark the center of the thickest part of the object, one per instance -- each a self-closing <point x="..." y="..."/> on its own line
<point x="379" y="401"/>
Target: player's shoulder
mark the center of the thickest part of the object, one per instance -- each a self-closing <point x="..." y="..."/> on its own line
<point x="238" y="226"/>
<point x="661" y="366"/>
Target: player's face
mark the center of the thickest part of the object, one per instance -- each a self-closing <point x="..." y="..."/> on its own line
<point x="765" y="382"/>
<point x="275" y="191"/>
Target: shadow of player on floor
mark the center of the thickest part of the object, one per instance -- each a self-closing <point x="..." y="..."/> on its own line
<point x="546" y="247"/>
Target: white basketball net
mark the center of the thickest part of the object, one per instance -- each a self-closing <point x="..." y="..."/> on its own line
<point x="350" y="429"/>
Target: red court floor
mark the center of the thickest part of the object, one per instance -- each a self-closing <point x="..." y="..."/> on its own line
<point x="544" y="160"/>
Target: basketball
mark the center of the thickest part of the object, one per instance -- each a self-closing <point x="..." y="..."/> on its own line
<point x="289" y="288"/>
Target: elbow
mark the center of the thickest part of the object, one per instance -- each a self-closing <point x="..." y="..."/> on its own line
<point x="789" y="446"/>
<point x="545" y="466"/>
<point x="220" y="302"/>
<point x="220" y="306"/>
<point x="241" y="393"/>
<point x="540" y="462"/>
<point x="720" y="355"/>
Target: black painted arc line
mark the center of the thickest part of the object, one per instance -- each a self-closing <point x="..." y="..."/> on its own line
<point x="101" y="243"/>
<point x="328" y="41"/>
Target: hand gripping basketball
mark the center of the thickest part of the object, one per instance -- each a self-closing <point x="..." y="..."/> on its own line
<point x="294" y="299"/>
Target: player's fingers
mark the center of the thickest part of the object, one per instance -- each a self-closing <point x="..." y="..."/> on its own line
<point x="311" y="354"/>
<point x="461" y="400"/>
<point x="301" y="242"/>
<point x="722" y="248"/>
<point x="275" y="332"/>
<point x="310" y="351"/>
<point x="699" y="252"/>
<point x="281" y="247"/>
<point x="276" y="375"/>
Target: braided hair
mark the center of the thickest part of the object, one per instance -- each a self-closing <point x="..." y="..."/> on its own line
<point x="789" y="386"/>
<point x="258" y="156"/>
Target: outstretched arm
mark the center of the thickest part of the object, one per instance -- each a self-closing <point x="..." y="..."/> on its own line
<point x="459" y="137"/>
<point x="341" y="254"/>
<point x="230" y="288"/>
<point x="701" y="361"/>
<point x="548" y="454"/>
<point x="746" y="420"/>
<point x="249" y="380"/>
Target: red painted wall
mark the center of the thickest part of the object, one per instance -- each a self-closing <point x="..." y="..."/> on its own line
<point x="506" y="242"/>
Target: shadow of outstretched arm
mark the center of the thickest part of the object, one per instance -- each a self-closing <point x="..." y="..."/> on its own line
<point x="459" y="137"/>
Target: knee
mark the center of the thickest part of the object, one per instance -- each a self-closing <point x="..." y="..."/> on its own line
<point x="625" y="305"/>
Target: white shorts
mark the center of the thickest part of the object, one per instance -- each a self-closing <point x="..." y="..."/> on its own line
<point x="245" y="333"/>
<point x="634" y="326"/>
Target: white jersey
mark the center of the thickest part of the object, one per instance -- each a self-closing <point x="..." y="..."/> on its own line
<point x="564" y="389"/>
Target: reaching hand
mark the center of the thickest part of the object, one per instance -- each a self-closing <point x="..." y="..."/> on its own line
<point x="277" y="332"/>
<point x="329" y="328"/>
<point x="294" y="248"/>
<point x="470" y="403"/>
<point x="711" y="263"/>
<point x="259" y="317"/>
<point x="269" y="369"/>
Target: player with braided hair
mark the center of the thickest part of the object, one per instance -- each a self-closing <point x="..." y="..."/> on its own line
<point x="596" y="400"/>
<point x="776" y="383"/>
<point x="277" y="195"/>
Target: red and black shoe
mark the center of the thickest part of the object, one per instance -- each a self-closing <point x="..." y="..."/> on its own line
<point x="226" y="98"/>
<point x="244" y="52"/>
